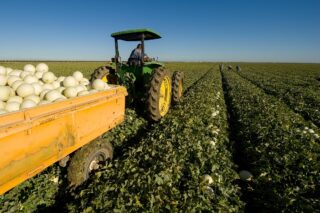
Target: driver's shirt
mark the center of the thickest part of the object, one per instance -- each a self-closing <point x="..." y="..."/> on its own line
<point x="136" y="54"/>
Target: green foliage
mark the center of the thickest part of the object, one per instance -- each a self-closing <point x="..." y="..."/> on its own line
<point x="295" y="84"/>
<point x="36" y="193"/>
<point x="159" y="167"/>
<point x="41" y="192"/>
<point x="278" y="146"/>
<point x="163" y="172"/>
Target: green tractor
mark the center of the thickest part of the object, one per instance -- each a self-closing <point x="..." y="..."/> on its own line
<point x="148" y="83"/>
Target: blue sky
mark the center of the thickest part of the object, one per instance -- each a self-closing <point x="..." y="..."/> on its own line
<point x="203" y="30"/>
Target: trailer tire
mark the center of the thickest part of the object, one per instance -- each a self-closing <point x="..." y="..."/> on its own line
<point x="86" y="160"/>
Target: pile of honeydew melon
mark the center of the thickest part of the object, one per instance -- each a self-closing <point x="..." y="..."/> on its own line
<point x="33" y="86"/>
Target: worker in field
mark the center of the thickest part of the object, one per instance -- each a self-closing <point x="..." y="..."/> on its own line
<point x="221" y="67"/>
<point x="136" y="57"/>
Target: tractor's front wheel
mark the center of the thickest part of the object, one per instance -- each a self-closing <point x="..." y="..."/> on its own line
<point x="177" y="86"/>
<point x="105" y="74"/>
<point x="159" y="94"/>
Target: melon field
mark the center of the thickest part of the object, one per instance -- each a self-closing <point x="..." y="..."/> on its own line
<point x="246" y="141"/>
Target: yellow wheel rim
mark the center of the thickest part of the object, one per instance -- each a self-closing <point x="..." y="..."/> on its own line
<point x="105" y="79"/>
<point x="164" y="96"/>
<point x="180" y="89"/>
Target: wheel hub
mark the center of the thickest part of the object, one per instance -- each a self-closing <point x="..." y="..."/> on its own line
<point x="94" y="165"/>
<point x="180" y="88"/>
<point x="164" y="96"/>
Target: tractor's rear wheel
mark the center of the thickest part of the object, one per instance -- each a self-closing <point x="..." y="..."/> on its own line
<point x="103" y="73"/>
<point x="177" y="86"/>
<point x="159" y="94"/>
<point x="87" y="159"/>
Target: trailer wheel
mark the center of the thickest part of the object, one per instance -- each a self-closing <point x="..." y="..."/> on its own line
<point x="88" y="159"/>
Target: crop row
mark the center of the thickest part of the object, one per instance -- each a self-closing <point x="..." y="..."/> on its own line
<point x="292" y="74"/>
<point x="192" y="71"/>
<point x="49" y="189"/>
<point x="302" y="99"/>
<point x="164" y="171"/>
<point x="277" y="146"/>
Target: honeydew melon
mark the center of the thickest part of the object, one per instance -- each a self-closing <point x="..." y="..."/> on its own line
<point x="106" y="86"/>
<point x="37" y="88"/>
<point x="62" y="98"/>
<point x="16" y="84"/>
<point x="61" y="78"/>
<point x="61" y="89"/>
<point x="9" y="70"/>
<point x="29" y="68"/>
<point x="3" y="80"/>
<point x="30" y="79"/>
<point x="39" y="75"/>
<point x="34" y="98"/>
<point x="15" y="73"/>
<point x="70" y="92"/>
<point x="48" y="77"/>
<point x="55" y="84"/>
<point x="78" y="75"/>
<point x="24" y="74"/>
<point x="12" y="106"/>
<point x="42" y="67"/>
<point x="25" y="90"/>
<point x="5" y="93"/>
<point x="80" y="88"/>
<point x="84" y="82"/>
<point x="52" y="95"/>
<point x="17" y="99"/>
<point x="27" y="104"/>
<point x="12" y="79"/>
<point x="98" y="84"/>
<point x="12" y="92"/>
<point x="43" y="93"/>
<point x="2" y="105"/>
<point x="69" y="81"/>
<point x="43" y="102"/>
<point x="82" y="93"/>
<point x="245" y="175"/>
<point x="3" y="70"/>
<point x="311" y="131"/>
<point x="3" y="111"/>
<point x="47" y="86"/>
<point x="207" y="179"/>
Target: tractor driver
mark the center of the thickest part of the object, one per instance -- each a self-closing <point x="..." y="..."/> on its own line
<point x="136" y="56"/>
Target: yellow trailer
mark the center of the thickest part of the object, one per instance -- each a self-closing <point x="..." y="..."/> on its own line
<point x="35" y="138"/>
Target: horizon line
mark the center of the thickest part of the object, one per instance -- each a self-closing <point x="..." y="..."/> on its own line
<point x="183" y="61"/>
